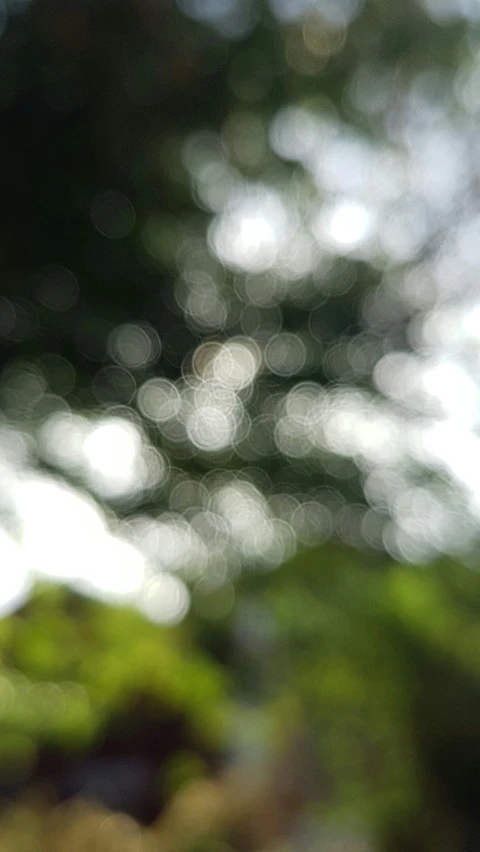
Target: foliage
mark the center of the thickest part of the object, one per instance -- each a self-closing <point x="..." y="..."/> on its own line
<point x="205" y="208"/>
<point x="239" y="263"/>
<point x="70" y="666"/>
<point x="344" y="669"/>
<point x="379" y="664"/>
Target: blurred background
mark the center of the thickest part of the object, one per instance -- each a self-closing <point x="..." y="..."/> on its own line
<point x="239" y="425"/>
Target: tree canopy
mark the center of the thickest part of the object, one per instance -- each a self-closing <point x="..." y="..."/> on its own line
<point x="239" y="329"/>
<point x="237" y="237"/>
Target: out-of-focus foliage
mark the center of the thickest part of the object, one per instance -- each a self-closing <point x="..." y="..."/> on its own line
<point x="357" y="689"/>
<point x="379" y="667"/>
<point x="239" y="315"/>
<point x="238" y="283"/>
<point x="204" y="815"/>
<point x="70" y="666"/>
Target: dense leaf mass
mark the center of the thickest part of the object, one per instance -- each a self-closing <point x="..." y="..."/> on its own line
<point x="239" y="408"/>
